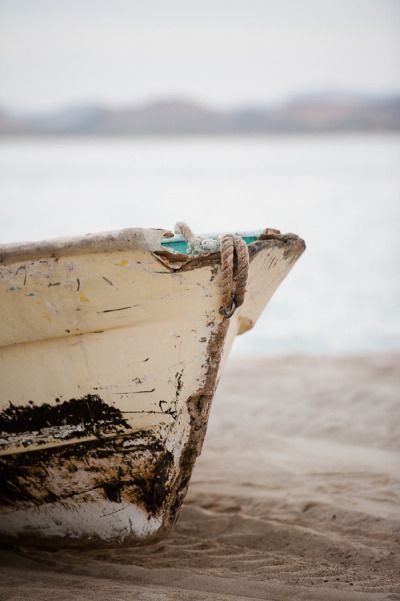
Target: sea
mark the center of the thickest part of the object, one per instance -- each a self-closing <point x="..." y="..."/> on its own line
<point x="341" y="193"/>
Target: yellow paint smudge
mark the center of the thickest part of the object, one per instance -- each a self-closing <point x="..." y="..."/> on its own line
<point x="48" y="317"/>
<point x="122" y="263"/>
<point x="83" y="298"/>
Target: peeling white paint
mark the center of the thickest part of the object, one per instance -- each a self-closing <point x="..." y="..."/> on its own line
<point x="91" y="520"/>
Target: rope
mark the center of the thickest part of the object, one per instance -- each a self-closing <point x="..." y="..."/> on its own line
<point x="242" y="270"/>
<point x="197" y="245"/>
<point x="227" y="267"/>
<point x="235" y="269"/>
<point x="184" y="229"/>
<point x="234" y="265"/>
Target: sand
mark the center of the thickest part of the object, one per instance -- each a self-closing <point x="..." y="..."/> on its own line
<point x="296" y="496"/>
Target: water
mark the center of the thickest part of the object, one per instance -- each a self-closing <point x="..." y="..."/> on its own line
<point x="340" y="193"/>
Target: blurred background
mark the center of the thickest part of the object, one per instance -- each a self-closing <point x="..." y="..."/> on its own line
<point x="230" y="115"/>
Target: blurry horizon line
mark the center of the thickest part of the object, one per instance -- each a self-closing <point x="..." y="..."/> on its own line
<point x="312" y="112"/>
<point x="321" y="94"/>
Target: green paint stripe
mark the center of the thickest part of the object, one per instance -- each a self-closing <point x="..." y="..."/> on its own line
<point x="180" y="245"/>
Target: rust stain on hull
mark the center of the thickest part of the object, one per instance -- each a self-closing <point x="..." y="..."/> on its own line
<point x="134" y="468"/>
<point x="198" y="405"/>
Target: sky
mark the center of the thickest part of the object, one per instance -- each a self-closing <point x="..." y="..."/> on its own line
<point x="223" y="52"/>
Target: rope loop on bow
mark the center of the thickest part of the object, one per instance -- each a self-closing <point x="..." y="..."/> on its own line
<point x="234" y="265"/>
<point x="235" y="269"/>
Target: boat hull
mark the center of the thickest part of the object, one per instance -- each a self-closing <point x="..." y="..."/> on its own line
<point x="109" y="361"/>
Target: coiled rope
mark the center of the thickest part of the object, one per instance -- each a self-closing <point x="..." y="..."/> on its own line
<point x="234" y="265"/>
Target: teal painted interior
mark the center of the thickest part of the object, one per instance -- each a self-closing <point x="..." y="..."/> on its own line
<point x="179" y="244"/>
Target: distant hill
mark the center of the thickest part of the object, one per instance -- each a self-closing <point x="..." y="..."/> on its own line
<point x="308" y="114"/>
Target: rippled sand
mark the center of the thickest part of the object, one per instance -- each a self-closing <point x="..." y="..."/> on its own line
<point x="296" y="496"/>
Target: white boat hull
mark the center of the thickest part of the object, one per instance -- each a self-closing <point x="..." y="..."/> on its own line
<point x="109" y="359"/>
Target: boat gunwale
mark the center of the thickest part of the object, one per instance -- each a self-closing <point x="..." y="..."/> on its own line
<point x="109" y="241"/>
<point x="155" y="240"/>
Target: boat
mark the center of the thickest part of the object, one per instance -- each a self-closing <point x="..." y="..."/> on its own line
<point x="111" y="348"/>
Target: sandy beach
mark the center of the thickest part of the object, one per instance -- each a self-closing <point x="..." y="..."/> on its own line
<point x="295" y="496"/>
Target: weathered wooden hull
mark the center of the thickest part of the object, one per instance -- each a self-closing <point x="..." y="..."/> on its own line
<point x="111" y="349"/>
